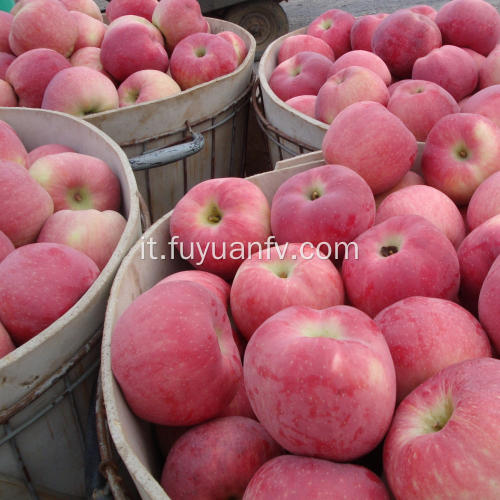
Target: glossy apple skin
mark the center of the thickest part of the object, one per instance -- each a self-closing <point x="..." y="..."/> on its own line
<point x="362" y="31"/>
<point x="187" y="362"/>
<point x="461" y="152"/>
<point x="420" y="104"/>
<point x="43" y="24"/>
<point x="24" y="204"/>
<point x="476" y="254"/>
<point x="461" y="460"/>
<point x="305" y="104"/>
<point x="450" y="67"/>
<point x="485" y="202"/>
<point x="312" y="378"/>
<point x="474" y="24"/>
<point x="217" y="459"/>
<point x="243" y="212"/>
<point x="489" y="72"/>
<point x="364" y="59"/>
<point x="189" y="67"/>
<point x="268" y="283"/>
<point x="375" y="281"/>
<point x="6" y="246"/>
<point x="296" y="478"/>
<point x="304" y="43"/>
<point x="431" y="204"/>
<point x="90" y="30"/>
<point x="425" y="335"/>
<point x="61" y="274"/>
<point x="11" y="147"/>
<point x="370" y="140"/>
<point x="489" y="298"/>
<point x="8" y="97"/>
<point x="143" y="8"/>
<point x="46" y="150"/>
<point x="486" y="102"/>
<point x="402" y="37"/>
<point x="31" y="72"/>
<point x="334" y="27"/>
<point x="411" y="178"/>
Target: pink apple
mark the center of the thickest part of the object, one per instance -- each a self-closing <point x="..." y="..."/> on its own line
<point x="217" y="459"/>
<point x="470" y="23"/>
<point x="313" y="376"/>
<point x="90" y="57"/>
<point x="5" y="24"/>
<point x="8" y="97"/>
<point x="177" y="19"/>
<point x="426" y="10"/>
<point x="334" y="27"/>
<point x="302" y="74"/>
<point x="349" y="85"/>
<point x="143" y="8"/>
<point x="478" y="58"/>
<point x="217" y="221"/>
<point x="78" y="182"/>
<point x="362" y="31"/>
<point x="420" y="104"/>
<point x="486" y="102"/>
<point x="61" y="275"/>
<point x="485" y="202"/>
<point x="132" y="44"/>
<point x="80" y="91"/>
<point x="24" y="204"/>
<point x="489" y="298"/>
<point x="284" y="276"/>
<point x="304" y="104"/>
<point x="461" y="151"/>
<point x="237" y="42"/>
<point x="366" y="60"/>
<point x="395" y="262"/>
<point x="6" y="246"/>
<point x="296" y="478"/>
<point x="175" y="367"/>
<point x="319" y="205"/>
<point x="94" y="233"/>
<point x="426" y="335"/>
<point x="369" y="139"/>
<point x="489" y="72"/>
<point x="446" y="433"/>
<point x="6" y="344"/>
<point x="200" y="58"/>
<point x="451" y="68"/>
<point x="431" y="204"/>
<point x="292" y="45"/>
<point x="90" y="30"/>
<point x="11" y="147"/>
<point x="31" y="72"/>
<point x="5" y="61"/>
<point x="43" y="24"/>
<point x="87" y="7"/>
<point x="146" y="85"/>
<point x="476" y="254"/>
<point x="46" y="150"/>
<point x="394" y="40"/>
<point x="411" y="178"/>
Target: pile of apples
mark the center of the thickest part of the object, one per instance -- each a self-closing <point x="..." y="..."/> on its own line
<point x="59" y="225"/>
<point x="59" y="54"/>
<point x="419" y="63"/>
<point x="288" y="371"/>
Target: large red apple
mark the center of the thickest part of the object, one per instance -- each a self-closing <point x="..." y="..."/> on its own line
<point x="46" y="150"/>
<point x="486" y="102"/>
<point x="364" y="59"/>
<point x="485" y="202"/>
<point x="6" y="19"/>
<point x="143" y="8"/>
<point x="489" y="299"/>
<point x="362" y="31"/>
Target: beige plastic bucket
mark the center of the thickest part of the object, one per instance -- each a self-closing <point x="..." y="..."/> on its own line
<point x="132" y="436"/>
<point x="47" y="455"/>
<point x="217" y="109"/>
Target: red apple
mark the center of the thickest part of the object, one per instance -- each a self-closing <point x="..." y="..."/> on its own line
<point x="238" y="44"/>
<point x="11" y="147"/>
<point x="312" y="378"/>
<point x="334" y="27"/>
<point x="217" y="224"/>
<point x="217" y="459"/>
<point x="91" y="58"/>
<point x="489" y="298"/>
<point x="362" y="31"/>
<point x="31" y="72"/>
<point x="8" y="97"/>
<point x="78" y="182"/>
<point x="87" y="7"/>
<point x="304" y="104"/>
<point x="486" y="102"/>
<point x="5" y="25"/>
<point x="366" y="60"/>
<point x="426" y="10"/>
<point x="478" y="58"/>
<point x="446" y="433"/>
<point x="143" y="8"/>
<point x="470" y="23"/>
<point x="5" y="61"/>
<point x="175" y="367"/>
<point x="420" y="105"/>
<point x="6" y="246"/>
<point x="38" y="284"/>
<point x="285" y="276"/>
<point x="461" y="151"/>
<point x="489" y="72"/>
<point x="90" y="30"/>
<point x="296" y="478"/>
<point x="369" y="139"/>
<point x="485" y="202"/>
<point x="292" y="45"/>
<point x="302" y="74"/>
<point x="46" y="150"/>
<point x="411" y="178"/>
<point x="395" y="262"/>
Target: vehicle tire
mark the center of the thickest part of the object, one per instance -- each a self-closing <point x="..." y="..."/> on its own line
<point x="264" y="19"/>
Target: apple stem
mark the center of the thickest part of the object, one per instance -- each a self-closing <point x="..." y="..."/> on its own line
<point x="315" y="195"/>
<point x="78" y="197"/>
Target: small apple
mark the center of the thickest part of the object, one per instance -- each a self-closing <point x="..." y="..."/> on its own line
<point x="489" y="298"/>
<point x="362" y="31"/>
<point x="485" y="202"/>
<point x="46" y="150"/>
<point x="366" y="60"/>
<point x="294" y="44"/>
<point x="143" y="8"/>
<point x="486" y="102"/>
<point x="305" y="104"/>
<point x="237" y="42"/>
<point x="90" y="31"/>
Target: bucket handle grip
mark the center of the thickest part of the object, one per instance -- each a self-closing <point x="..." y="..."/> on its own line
<point x="170" y="154"/>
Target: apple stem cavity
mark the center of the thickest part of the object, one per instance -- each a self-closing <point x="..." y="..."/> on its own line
<point x="439" y="416"/>
<point x="200" y="52"/>
<point x="388" y="251"/>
